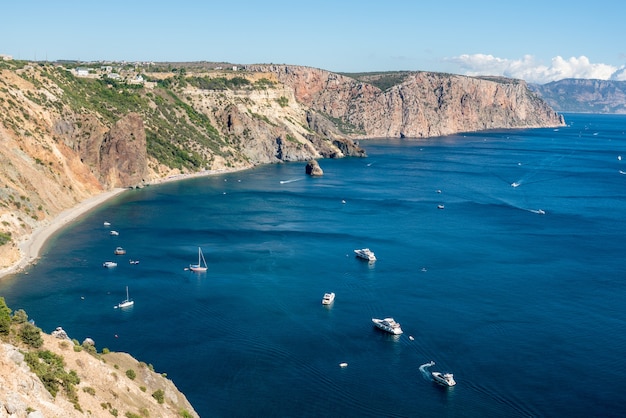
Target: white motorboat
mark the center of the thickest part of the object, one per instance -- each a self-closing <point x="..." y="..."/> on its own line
<point x="328" y="298"/>
<point x="445" y="379"/>
<point x="366" y="254"/>
<point x="114" y="233"/>
<point x="440" y="207"/>
<point x="119" y="251"/>
<point x="109" y="264"/>
<point x="388" y="324"/>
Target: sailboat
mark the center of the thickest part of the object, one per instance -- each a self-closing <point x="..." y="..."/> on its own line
<point x="201" y="266"/>
<point x="126" y="302"/>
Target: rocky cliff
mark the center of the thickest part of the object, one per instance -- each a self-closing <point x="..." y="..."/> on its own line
<point x="111" y="384"/>
<point x="419" y="105"/>
<point x="66" y="138"/>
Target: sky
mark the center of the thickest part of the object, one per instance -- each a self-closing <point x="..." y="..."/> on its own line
<point x="537" y="41"/>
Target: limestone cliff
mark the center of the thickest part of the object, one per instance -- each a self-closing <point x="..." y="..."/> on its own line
<point x="66" y="138"/>
<point x="421" y="105"/>
<point x="106" y="386"/>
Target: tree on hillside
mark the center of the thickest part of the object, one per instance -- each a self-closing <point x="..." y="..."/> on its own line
<point x="5" y="317"/>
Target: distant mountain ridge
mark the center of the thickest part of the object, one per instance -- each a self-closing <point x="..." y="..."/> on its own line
<point x="584" y="95"/>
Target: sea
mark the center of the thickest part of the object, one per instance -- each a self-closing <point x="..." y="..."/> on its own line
<point x="501" y="253"/>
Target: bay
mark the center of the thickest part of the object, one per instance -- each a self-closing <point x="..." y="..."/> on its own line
<point x="526" y="309"/>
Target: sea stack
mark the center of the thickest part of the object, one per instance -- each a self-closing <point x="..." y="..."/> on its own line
<point x="314" y="169"/>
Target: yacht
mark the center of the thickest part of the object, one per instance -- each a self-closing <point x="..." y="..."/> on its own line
<point x="388" y="324"/>
<point x="328" y="298"/>
<point x="366" y="254"/>
<point x="445" y="379"/>
<point x="120" y="251"/>
<point x="109" y="264"/>
<point x="114" y="233"/>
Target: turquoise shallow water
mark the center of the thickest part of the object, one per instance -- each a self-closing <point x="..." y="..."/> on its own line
<point x="527" y="310"/>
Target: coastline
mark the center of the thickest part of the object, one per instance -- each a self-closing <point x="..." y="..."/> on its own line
<point x="30" y="245"/>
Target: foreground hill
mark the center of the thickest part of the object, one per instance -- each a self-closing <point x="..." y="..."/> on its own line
<point x="70" y="133"/>
<point x="43" y="375"/>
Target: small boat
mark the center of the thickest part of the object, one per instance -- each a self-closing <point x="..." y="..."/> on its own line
<point x="201" y="266"/>
<point x="109" y="264"/>
<point x="126" y="302"/>
<point x="343" y="365"/>
<point x="328" y="298"/>
<point x="440" y="206"/>
<point x="107" y="223"/>
<point x="133" y="261"/>
<point x="366" y="254"/>
<point x="114" y="233"/>
<point x="445" y="379"/>
<point x="119" y="251"/>
<point x="541" y="212"/>
<point x="388" y="324"/>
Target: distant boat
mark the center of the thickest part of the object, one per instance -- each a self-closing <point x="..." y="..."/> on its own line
<point x="366" y="254"/>
<point x="328" y="298"/>
<point x="440" y="206"/>
<point x="119" y="251"/>
<point x="133" y="261"/>
<point x="514" y="184"/>
<point x="388" y="324"/>
<point x="201" y="266"/>
<point x="109" y="264"/>
<point x="126" y="302"/>
<point x="114" y="233"/>
<point x="107" y="223"/>
<point x="541" y="212"/>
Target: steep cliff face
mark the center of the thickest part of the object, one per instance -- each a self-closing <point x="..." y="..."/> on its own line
<point x="104" y="387"/>
<point x="422" y="105"/>
<point x="65" y="139"/>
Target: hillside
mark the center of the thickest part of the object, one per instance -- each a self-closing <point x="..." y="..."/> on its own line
<point x="584" y="95"/>
<point x="43" y="375"/>
<point x="70" y="132"/>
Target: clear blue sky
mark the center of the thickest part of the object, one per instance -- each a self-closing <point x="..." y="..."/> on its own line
<point x="535" y="40"/>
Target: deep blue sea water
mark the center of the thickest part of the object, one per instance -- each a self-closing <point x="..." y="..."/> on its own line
<point x="526" y="309"/>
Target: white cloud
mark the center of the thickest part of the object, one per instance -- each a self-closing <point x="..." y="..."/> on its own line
<point x="532" y="71"/>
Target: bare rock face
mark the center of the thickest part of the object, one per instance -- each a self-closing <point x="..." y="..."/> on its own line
<point x="313" y="169"/>
<point x="123" y="156"/>
<point x="423" y="105"/>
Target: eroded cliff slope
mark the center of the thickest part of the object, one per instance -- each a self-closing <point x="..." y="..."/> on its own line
<point x="65" y="137"/>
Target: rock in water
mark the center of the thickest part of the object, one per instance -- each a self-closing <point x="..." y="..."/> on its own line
<point x="314" y="169"/>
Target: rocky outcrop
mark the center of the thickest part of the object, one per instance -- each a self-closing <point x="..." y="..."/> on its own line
<point x="423" y="105"/>
<point x="313" y="169"/>
<point x="123" y="153"/>
<point x="105" y="387"/>
<point x="64" y="141"/>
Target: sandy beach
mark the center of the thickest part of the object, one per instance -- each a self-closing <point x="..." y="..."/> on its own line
<point x="30" y="246"/>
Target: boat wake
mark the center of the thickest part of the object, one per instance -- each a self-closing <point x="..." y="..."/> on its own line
<point x="425" y="372"/>
<point x="289" y="181"/>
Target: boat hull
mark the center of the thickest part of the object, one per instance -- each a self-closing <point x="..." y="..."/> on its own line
<point x="387" y="325"/>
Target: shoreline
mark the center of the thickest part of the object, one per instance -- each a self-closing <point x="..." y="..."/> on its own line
<point x="30" y="245"/>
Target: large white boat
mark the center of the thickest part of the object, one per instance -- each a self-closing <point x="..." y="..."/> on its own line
<point x="126" y="302"/>
<point x="109" y="264"/>
<point x="328" y="298"/>
<point x="201" y="266"/>
<point x="388" y="324"/>
<point x="366" y="254"/>
<point x="445" y="379"/>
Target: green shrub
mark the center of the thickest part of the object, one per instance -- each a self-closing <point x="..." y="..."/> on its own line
<point x="159" y="395"/>
<point x="5" y="317"/>
<point x="31" y="335"/>
<point x="130" y="373"/>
